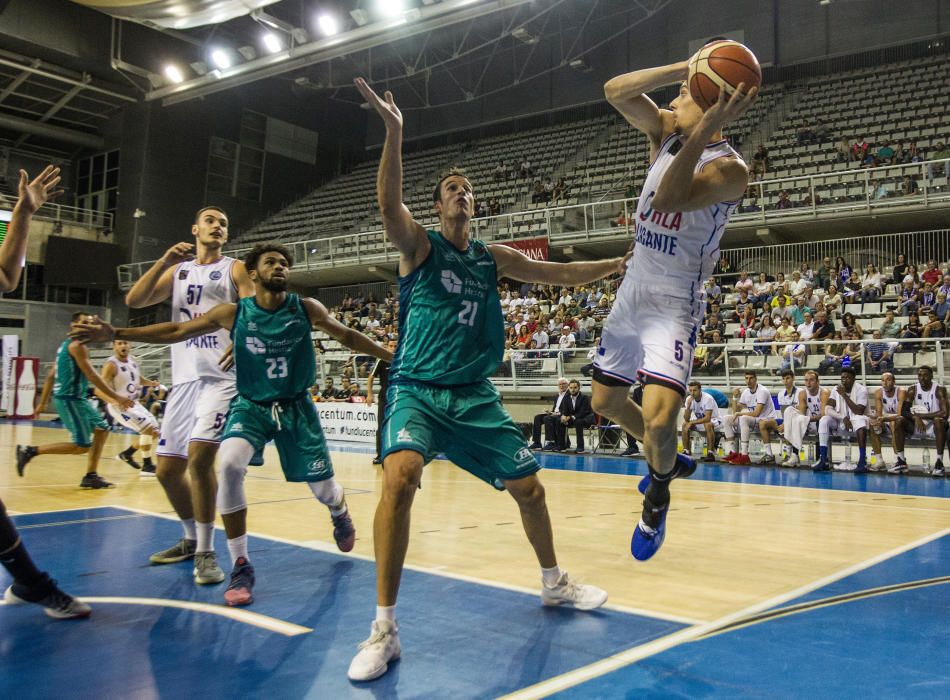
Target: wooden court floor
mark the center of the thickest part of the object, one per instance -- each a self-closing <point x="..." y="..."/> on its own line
<point x="729" y="548"/>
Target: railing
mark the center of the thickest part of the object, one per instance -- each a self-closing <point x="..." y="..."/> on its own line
<point x="601" y="221"/>
<point x="64" y="213"/>
<point x="530" y="370"/>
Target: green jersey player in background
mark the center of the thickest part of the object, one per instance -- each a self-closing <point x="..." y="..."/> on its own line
<point x="275" y="363"/>
<point x="451" y="339"/>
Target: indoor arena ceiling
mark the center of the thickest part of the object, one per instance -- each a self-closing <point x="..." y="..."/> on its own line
<point x="435" y="52"/>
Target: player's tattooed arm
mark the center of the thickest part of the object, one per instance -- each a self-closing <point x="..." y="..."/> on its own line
<point x="321" y="318"/>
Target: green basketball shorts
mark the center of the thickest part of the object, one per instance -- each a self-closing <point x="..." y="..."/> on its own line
<point x="466" y="423"/>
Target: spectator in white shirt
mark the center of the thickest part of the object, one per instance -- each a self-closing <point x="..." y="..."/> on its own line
<point x="540" y="338"/>
<point x="567" y="341"/>
<point x="806" y="329"/>
<point x="516" y="301"/>
<point x="585" y="326"/>
<point x="744" y="282"/>
<point x="871" y="284"/>
<point x="531" y="300"/>
<point x="799" y="284"/>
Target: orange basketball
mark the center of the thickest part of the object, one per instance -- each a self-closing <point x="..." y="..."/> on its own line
<point x="721" y="64"/>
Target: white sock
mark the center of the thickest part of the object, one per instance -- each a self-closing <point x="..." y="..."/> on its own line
<point x="768" y="448"/>
<point x="238" y="548"/>
<point x="551" y="576"/>
<point x="729" y="446"/>
<point x="205" y="532"/>
<point x="330" y="494"/>
<point x="189" y="527"/>
<point x="386" y="612"/>
<point x="743" y="448"/>
<point x="901" y="454"/>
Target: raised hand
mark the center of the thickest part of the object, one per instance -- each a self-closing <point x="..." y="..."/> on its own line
<point x="178" y="253"/>
<point x="385" y="106"/>
<point x="44" y="188"/>
<point x="96" y="331"/>
<point x="728" y="109"/>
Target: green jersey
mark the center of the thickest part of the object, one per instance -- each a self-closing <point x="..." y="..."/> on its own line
<point x="451" y="330"/>
<point x="70" y="382"/>
<point x="273" y="351"/>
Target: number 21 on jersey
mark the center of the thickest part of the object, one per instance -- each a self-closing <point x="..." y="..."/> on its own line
<point x="468" y="313"/>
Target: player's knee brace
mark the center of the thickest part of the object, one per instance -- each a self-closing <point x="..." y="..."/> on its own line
<point x="329" y="492"/>
<point x="233" y="458"/>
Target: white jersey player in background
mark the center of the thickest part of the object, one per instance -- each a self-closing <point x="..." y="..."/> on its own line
<point x="201" y="390"/>
<point x="701" y="414"/>
<point x="754" y="410"/>
<point x="885" y="418"/>
<point x="694" y="183"/>
<point x="122" y="373"/>
<point x="927" y="417"/>
<point x="801" y="419"/>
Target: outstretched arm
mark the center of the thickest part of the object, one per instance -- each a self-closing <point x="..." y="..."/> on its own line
<point x="403" y="231"/>
<point x="44" y="188"/>
<point x="321" y="318"/>
<point x="221" y="316"/>
<point x="516" y="265"/>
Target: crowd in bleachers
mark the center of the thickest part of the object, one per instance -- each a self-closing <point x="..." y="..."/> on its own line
<point x="774" y="316"/>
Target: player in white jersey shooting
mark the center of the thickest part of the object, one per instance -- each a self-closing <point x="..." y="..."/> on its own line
<point x="694" y="183"/>
<point x="122" y="373"/>
<point x="201" y="390"/>
<point x="927" y="414"/>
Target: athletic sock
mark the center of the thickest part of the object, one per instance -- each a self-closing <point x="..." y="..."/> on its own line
<point x="386" y="613"/>
<point x="189" y="527"/>
<point x="129" y="452"/>
<point x="13" y="554"/>
<point x="147" y="462"/>
<point x="862" y="454"/>
<point x="823" y="453"/>
<point x="768" y="448"/>
<point x="743" y="447"/>
<point x="238" y="548"/>
<point x="551" y="576"/>
<point x="205" y="539"/>
<point x="900" y="455"/>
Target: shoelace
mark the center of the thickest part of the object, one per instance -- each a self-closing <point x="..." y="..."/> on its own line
<point x="377" y="636"/>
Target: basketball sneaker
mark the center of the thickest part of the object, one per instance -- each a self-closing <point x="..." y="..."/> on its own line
<point x="572" y="594"/>
<point x="937" y="469"/>
<point x="900" y="467"/>
<point x="24" y="453"/>
<point x="94" y="481"/>
<point x="731" y="456"/>
<point x="184" y="549"/>
<point x="791" y="460"/>
<point x="821" y="465"/>
<point x="206" y="569"/>
<point x="56" y="603"/>
<point x="240" y="589"/>
<point x="126" y="457"/>
<point x="344" y="532"/>
<point x="372" y="659"/>
<point x="767" y="459"/>
<point x="684" y="468"/>
<point x="148" y="468"/>
<point x="740" y="460"/>
<point x="647" y="540"/>
<point x="861" y="467"/>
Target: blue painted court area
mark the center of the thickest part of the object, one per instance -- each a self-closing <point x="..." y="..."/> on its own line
<point x="859" y="642"/>
<point x="460" y="640"/>
<point x="767" y="476"/>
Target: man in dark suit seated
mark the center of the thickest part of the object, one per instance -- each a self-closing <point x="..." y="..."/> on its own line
<point x="550" y="419"/>
<point x="575" y="413"/>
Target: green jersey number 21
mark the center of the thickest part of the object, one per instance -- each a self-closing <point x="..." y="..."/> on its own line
<point x="468" y="313"/>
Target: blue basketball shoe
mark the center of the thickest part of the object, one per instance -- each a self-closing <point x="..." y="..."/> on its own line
<point x="684" y="468"/>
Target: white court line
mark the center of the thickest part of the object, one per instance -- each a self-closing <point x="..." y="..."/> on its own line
<point x="77" y="522"/>
<point x="271" y="624"/>
<point x="326" y="547"/>
<point x="637" y="653"/>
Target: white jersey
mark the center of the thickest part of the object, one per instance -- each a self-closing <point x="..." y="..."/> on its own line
<point x="127" y="379"/>
<point x="699" y="408"/>
<point x="786" y="398"/>
<point x="889" y="403"/>
<point x="859" y="396"/>
<point x="926" y="400"/>
<point x="196" y="289"/>
<point x="761" y="396"/>
<point x="813" y="403"/>
<point x="678" y="250"/>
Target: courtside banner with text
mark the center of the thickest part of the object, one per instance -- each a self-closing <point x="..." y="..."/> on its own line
<point x="352" y="422"/>
<point x="534" y="248"/>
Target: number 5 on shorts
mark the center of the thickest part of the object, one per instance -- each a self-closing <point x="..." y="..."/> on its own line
<point x="678" y="350"/>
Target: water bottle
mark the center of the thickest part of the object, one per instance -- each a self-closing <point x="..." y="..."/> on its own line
<point x="926" y="458"/>
<point x="694" y="448"/>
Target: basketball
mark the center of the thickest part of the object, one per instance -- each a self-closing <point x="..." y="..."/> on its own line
<point x="721" y="64"/>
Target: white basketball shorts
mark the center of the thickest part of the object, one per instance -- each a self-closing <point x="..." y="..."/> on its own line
<point x="136" y="418"/>
<point x="649" y="336"/>
<point x="195" y="411"/>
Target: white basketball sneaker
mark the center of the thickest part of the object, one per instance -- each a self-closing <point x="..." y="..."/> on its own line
<point x="576" y="595"/>
<point x="791" y="460"/>
<point x="375" y="653"/>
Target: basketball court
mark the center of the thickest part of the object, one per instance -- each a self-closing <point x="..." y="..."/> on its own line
<point x="772" y="582"/>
